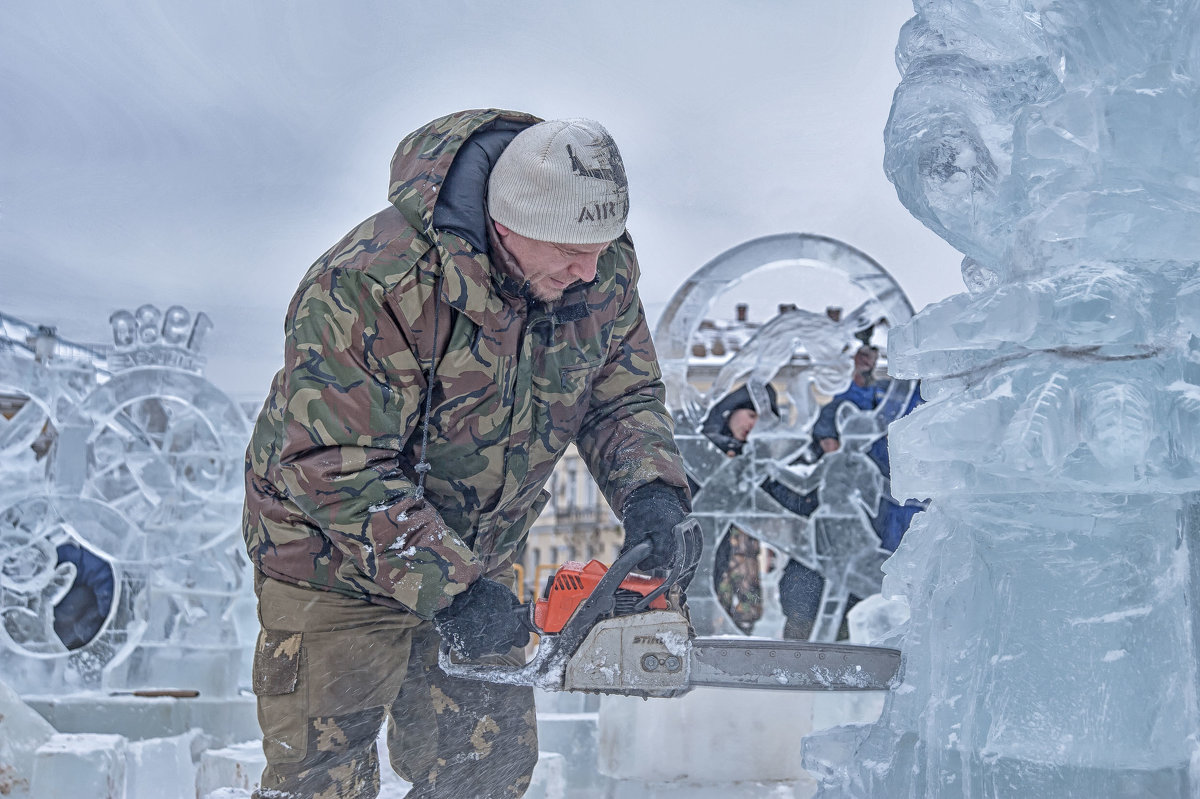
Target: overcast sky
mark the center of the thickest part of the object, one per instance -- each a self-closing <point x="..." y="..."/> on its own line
<point x="206" y="153"/>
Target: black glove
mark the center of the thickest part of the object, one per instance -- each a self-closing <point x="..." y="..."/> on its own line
<point x="651" y="513"/>
<point x="486" y="619"/>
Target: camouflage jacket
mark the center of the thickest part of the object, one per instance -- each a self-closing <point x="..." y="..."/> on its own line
<point x="331" y="500"/>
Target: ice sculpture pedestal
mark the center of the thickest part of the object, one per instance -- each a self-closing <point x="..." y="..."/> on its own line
<point x="568" y="723"/>
<point x="226" y="720"/>
<point x="710" y="742"/>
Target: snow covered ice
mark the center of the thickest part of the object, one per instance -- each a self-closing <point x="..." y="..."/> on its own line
<point x="1052" y="647"/>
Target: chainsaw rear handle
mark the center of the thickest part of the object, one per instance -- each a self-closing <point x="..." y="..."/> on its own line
<point x="524" y="614"/>
<point x="602" y="600"/>
<point x="688" y="543"/>
<point x="553" y="650"/>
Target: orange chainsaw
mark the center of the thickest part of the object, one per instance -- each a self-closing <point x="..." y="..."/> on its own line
<point x="609" y="630"/>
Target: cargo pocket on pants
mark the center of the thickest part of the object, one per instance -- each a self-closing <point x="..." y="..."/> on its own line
<point x="282" y="711"/>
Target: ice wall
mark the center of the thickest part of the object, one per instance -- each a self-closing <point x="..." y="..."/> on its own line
<point x="1052" y="649"/>
<point x="128" y="455"/>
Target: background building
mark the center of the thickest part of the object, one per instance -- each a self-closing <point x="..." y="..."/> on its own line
<point x="576" y="524"/>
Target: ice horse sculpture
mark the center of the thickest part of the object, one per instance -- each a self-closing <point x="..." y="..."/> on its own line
<point x="731" y="488"/>
<point x="140" y="471"/>
<point x="1053" y="646"/>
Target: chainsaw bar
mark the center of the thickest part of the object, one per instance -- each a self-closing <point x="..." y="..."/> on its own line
<point x="791" y="665"/>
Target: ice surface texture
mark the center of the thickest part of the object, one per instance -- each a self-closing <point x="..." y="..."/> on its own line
<point x="133" y="457"/>
<point x="1052" y="648"/>
<point x="806" y="352"/>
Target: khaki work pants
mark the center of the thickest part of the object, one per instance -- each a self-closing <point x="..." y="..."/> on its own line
<point x="329" y="669"/>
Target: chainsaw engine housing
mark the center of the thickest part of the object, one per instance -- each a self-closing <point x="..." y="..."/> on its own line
<point x="647" y="654"/>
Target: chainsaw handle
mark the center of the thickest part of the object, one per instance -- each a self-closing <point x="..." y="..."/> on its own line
<point x="524" y="614"/>
<point x="603" y="597"/>
<point x="688" y="541"/>
<point x="624" y="564"/>
<point x="546" y="667"/>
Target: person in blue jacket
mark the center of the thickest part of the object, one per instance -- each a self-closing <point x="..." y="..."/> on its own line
<point x="800" y="587"/>
<point x="79" y="616"/>
<point x="867" y="393"/>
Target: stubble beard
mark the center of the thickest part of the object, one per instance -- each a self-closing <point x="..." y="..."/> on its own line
<point x="545" y="293"/>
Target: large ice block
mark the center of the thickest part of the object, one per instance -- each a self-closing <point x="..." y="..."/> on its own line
<point x="1052" y="648"/>
<point x="80" y="765"/>
<point x="22" y="732"/>
<point x="161" y="768"/>
<point x="710" y="735"/>
<point x="238" y="766"/>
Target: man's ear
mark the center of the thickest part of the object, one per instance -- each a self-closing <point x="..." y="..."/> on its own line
<point x="501" y="229"/>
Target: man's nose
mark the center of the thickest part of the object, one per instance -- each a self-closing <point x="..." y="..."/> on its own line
<point x="584" y="269"/>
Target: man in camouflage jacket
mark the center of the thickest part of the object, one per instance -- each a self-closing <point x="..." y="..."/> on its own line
<point x="385" y="508"/>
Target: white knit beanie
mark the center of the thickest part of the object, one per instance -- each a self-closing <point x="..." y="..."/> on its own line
<point x="561" y="181"/>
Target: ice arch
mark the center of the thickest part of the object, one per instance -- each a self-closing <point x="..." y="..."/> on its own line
<point x="801" y="350"/>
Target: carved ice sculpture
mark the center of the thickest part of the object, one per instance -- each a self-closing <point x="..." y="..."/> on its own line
<point x="1052" y="648"/>
<point x="849" y="485"/>
<point x="144" y="478"/>
<point x="731" y="490"/>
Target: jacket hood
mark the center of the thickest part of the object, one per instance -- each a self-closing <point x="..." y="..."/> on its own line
<point x="440" y="171"/>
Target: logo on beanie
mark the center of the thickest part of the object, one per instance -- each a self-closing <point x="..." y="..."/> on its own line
<point x="606" y="164"/>
<point x="598" y="212"/>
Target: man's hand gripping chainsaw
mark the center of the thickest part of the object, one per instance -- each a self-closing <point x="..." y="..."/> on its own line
<point x="607" y="630"/>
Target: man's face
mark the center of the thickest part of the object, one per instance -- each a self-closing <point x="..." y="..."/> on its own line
<point x="551" y="268"/>
<point x="864" y="361"/>
<point x="741" y="422"/>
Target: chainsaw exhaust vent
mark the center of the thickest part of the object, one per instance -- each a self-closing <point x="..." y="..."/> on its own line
<point x="569" y="582"/>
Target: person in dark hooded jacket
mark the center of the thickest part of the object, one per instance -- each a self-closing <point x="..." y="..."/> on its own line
<point x="737" y="577"/>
